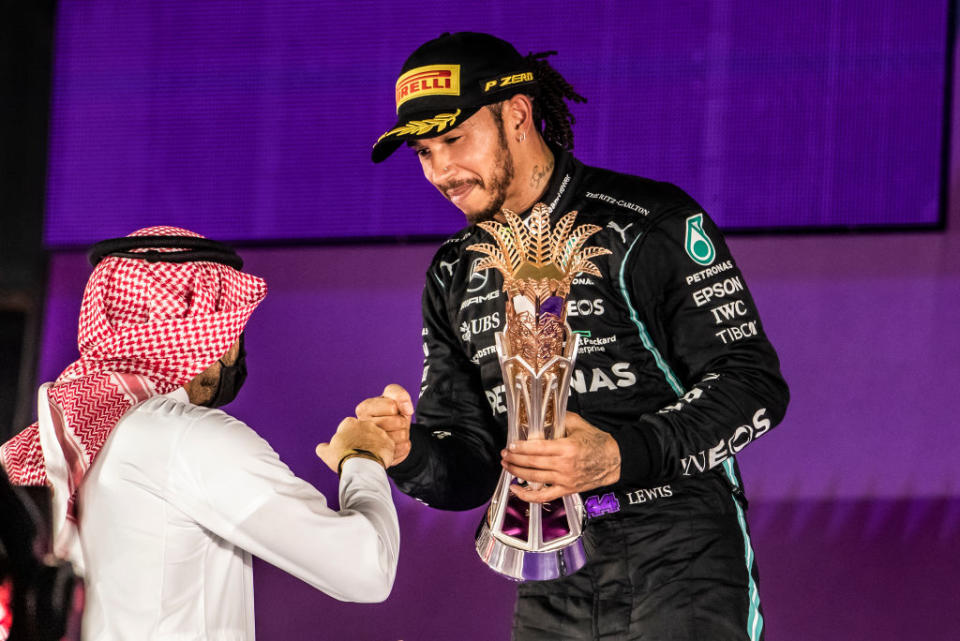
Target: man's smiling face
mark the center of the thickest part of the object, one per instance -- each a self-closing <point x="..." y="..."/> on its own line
<point x="470" y="165"/>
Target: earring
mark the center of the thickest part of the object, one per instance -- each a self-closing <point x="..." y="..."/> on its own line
<point x="522" y="136"/>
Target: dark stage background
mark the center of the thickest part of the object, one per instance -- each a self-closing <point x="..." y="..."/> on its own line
<point x="855" y="497"/>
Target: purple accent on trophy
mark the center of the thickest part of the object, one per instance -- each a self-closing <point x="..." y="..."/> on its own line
<point x="515" y="518"/>
<point x="552" y="305"/>
<point x="543" y="566"/>
<point x="554" y="520"/>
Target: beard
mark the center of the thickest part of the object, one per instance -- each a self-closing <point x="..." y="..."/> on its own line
<point x="503" y="173"/>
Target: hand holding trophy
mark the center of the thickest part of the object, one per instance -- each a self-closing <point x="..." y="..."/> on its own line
<point x="537" y="351"/>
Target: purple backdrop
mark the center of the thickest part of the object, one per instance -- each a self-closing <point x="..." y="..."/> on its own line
<point x="254" y="120"/>
<point x="855" y="498"/>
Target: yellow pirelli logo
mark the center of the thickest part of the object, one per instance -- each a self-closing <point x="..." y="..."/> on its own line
<point x="506" y="81"/>
<point x="432" y="80"/>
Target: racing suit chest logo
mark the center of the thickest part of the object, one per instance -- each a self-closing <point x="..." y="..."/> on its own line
<point x="698" y="245"/>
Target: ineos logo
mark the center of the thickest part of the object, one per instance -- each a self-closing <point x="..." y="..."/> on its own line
<point x="478" y="280"/>
<point x="585" y="307"/>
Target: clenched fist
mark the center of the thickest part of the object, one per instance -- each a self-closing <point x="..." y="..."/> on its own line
<point x="358" y="435"/>
<point x="391" y="412"/>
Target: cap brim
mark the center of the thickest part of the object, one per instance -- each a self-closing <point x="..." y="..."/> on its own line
<point x="419" y="126"/>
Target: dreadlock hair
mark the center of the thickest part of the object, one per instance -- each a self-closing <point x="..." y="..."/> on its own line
<point x="550" y="111"/>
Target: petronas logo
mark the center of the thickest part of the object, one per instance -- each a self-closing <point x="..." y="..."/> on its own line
<point x="697" y="243"/>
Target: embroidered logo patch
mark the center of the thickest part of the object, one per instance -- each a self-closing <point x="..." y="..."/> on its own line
<point x="421" y="127"/>
<point x="600" y="505"/>
<point x="698" y="245"/>
<point x="431" y="80"/>
<point x="506" y="81"/>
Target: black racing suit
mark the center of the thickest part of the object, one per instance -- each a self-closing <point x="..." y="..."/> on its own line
<point x="673" y="363"/>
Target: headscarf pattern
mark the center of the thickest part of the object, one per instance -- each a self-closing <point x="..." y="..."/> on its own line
<point x="145" y="329"/>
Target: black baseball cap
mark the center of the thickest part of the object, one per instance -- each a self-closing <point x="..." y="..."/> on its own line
<point x="447" y="80"/>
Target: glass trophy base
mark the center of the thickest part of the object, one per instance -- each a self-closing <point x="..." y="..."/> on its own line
<point x="523" y="565"/>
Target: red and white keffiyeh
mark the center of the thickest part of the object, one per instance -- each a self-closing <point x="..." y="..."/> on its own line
<point x="145" y="329"/>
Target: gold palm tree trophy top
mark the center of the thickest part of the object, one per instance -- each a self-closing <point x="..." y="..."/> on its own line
<point x="538" y="263"/>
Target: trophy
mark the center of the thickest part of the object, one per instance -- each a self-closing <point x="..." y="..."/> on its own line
<point x="537" y="350"/>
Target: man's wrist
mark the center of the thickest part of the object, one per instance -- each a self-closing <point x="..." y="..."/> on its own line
<point x="615" y="458"/>
<point x="357" y="453"/>
<point x="640" y="456"/>
<point x="414" y="460"/>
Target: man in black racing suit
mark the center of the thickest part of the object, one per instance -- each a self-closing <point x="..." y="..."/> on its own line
<point x="673" y="365"/>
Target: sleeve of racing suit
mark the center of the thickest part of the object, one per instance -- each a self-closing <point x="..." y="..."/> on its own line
<point x="715" y="354"/>
<point x="454" y="461"/>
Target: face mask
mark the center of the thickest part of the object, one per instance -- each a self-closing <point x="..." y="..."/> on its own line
<point x="231" y="379"/>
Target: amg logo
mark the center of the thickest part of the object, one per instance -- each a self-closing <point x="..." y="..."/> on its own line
<point x="467" y="302"/>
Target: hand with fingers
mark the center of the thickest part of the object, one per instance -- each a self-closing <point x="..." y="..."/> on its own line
<point x="355" y="437"/>
<point x="585" y="458"/>
<point x="391" y="412"/>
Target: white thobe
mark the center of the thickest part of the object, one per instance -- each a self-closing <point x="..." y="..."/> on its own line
<point x="179" y="499"/>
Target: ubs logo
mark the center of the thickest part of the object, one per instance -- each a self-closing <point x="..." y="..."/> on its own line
<point x="474" y="326"/>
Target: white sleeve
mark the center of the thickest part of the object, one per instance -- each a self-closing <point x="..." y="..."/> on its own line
<point x="233" y="483"/>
